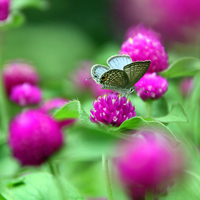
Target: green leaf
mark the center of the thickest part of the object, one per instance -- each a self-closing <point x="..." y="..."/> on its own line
<point x="140" y="123"/>
<point x="70" y="110"/>
<point x="177" y="114"/>
<point x="73" y="109"/>
<point x="16" y="182"/>
<point x="21" y="4"/>
<point x="2" y="198"/>
<point x="187" y="66"/>
<point x="43" y="186"/>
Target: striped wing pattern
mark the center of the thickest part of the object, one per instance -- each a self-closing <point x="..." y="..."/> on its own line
<point x="136" y="70"/>
<point x="97" y="71"/>
<point x="119" y="61"/>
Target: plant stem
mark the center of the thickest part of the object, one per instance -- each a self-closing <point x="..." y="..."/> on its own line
<point x="58" y="181"/>
<point x="148" y="108"/>
<point x="3" y="107"/>
<point x="149" y="195"/>
<point x="107" y="176"/>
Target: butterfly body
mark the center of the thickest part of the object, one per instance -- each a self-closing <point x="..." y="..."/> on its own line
<point x="122" y="74"/>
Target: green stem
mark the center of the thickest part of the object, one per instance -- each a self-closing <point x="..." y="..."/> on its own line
<point x="149" y="195"/>
<point x="3" y="107"/>
<point x="107" y="176"/>
<point x="148" y="105"/>
<point x="54" y="172"/>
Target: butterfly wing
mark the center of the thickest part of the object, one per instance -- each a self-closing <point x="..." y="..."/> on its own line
<point x="136" y="71"/>
<point x="97" y="71"/>
<point x="114" y="78"/>
<point x="119" y="61"/>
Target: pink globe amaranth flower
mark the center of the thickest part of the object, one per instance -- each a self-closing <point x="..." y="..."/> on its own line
<point x="148" y="161"/>
<point x="141" y="29"/>
<point x="16" y="73"/>
<point x="151" y="86"/>
<point x="143" y="47"/>
<point x="112" y="109"/>
<point x="4" y="9"/>
<point x="172" y="18"/>
<point x="26" y="94"/>
<point x="34" y="137"/>
<point x="186" y="86"/>
<point x="56" y="103"/>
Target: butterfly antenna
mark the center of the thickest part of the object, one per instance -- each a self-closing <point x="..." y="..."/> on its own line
<point x="88" y="78"/>
<point x="141" y="89"/>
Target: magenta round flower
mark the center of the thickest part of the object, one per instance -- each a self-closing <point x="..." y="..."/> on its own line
<point x="34" y="137"/>
<point x="4" y="9"/>
<point x="143" y="47"/>
<point x="26" y="94"/>
<point x="148" y="161"/>
<point x="151" y="86"/>
<point x="141" y="29"/>
<point x="16" y="73"/>
<point x="186" y="86"/>
<point x="49" y="105"/>
<point x="112" y="109"/>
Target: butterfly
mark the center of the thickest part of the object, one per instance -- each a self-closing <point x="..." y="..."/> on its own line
<point x="121" y="75"/>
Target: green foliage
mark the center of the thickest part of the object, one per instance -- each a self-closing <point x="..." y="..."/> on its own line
<point x="43" y="186"/>
<point x="187" y="66"/>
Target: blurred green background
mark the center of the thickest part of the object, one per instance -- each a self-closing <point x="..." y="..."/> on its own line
<point x="56" y="37"/>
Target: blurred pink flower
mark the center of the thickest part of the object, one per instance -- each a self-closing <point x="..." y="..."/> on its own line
<point x="82" y="74"/>
<point x="16" y="73"/>
<point x="186" y="86"/>
<point x="4" y="9"/>
<point x="148" y="161"/>
<point x="112" y="109"/>
<point x="34" y="137"/>
<point x="26" y="94"/>
<point x="151" y="86"/>
<point x="172" y="18"/>
<point x="145" y="45"/>
<point x="52" y="104"/>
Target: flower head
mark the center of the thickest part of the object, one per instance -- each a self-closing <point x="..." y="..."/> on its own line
<point x="186" y="86"/>
<point x="148" y="160"/>
<point x="141" y="29"/>
<point x="4" y="9"/>
<point x="112" y="109"/>
<point x="151" y="86"/>
<point x="33" y="137"/>
<point x="16" y="73"/>
<point x="145" y="46"/>
<point x="26" y="94"/>
<point x="49" y="105"/>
